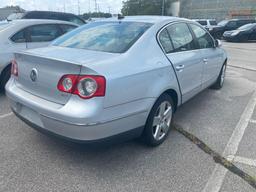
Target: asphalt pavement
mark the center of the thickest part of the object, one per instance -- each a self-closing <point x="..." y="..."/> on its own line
<point x="225" y="120"/>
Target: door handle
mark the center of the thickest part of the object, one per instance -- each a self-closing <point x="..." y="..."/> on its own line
<point x="180" y="68"/>
<point x="205" y="61"/>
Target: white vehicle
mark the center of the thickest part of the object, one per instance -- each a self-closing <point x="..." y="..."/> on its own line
<point x="207" y="23"/>
<point x="21" y="34"/>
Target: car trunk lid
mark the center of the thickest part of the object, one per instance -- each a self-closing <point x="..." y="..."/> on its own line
<point x="40" y="76"/>
<point x="50" y="64"/>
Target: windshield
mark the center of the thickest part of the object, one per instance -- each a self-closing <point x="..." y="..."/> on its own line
<point x="15" y="16"/>
<point x="247" y="26"/>
<point x="113" y="37"/>
<point x="213" y="22"/>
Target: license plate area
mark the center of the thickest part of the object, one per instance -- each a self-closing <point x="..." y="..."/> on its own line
<point x="28" y="114"/>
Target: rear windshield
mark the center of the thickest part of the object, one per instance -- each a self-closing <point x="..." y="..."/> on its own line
<point x="113" y="37"/>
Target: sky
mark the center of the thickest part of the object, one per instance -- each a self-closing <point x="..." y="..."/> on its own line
<point x="114" y="6"/>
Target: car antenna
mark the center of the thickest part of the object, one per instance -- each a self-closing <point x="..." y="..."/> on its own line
<point x="120" y="17"/>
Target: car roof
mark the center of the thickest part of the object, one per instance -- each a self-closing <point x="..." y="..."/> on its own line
<point x="52" y="12"/>
<point x="40" y="21"/>
<point x="240" y="20"/>
<point x="145" y="19"/>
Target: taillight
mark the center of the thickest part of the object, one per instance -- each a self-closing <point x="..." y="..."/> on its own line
<point x="85" y="86"/>
<point x="67" y="83"/>
<point x="14" y="70"/>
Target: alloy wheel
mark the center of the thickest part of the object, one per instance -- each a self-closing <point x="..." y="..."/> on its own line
<point x="162" y="120"/>
<point x="223" y="74"/>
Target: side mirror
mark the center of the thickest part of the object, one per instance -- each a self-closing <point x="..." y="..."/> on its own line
<point x="218" y="43"/>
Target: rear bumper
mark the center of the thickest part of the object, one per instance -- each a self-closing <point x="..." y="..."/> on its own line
<point x="95" y="123"/>
<point x="121" y="137"/>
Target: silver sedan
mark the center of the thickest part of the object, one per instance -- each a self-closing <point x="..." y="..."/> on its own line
<point x="117" y="78"/>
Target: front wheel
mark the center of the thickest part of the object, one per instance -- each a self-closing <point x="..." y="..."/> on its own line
<point x="218" y="35"/>
<point x="221" y="79"/>
<point x="159" y="121"/>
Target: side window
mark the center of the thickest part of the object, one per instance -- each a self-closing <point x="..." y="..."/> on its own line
<point x="43" y="33"/>
<point x="203" y="38"/>
<point x="67" y="28"/>
<point x="19" y="37"/>
<point x="181" y="37"/>
<point x="165" y="41"/>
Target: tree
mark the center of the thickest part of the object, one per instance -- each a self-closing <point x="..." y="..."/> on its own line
<point x="146" y="7"/>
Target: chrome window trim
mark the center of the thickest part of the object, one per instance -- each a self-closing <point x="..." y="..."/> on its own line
<point x="187" y="23"/>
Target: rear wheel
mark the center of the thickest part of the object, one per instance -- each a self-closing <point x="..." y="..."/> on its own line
<point x="218" y="35"/>
<point x="221" y="79"/>
<point x="6" y="73"/>
<point x="159" y="121"/>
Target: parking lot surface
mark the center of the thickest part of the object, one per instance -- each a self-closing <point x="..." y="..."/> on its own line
<point x="225" y="120"/>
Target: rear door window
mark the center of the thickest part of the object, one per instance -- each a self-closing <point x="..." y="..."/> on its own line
<point x="203" y="39"/>
<point x="43" y="33"/>
<point x="19" y="37"/>
<point x="165" y="41"/>
<point x="181" y="37"/>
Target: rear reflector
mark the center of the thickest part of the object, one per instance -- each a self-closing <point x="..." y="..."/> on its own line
<point x="14" y="70"/>
<point x="85" y="86"/>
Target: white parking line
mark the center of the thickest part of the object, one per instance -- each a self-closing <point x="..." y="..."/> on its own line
<point x="6" y="115"/>
<point x="215" y="182"/>
<point x="245" y="161"/>
<point x="252" y="121"/>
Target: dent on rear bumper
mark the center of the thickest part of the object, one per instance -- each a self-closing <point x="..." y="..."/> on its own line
<point x="95" y="123"/>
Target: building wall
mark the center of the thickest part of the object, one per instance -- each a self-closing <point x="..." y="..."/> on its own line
<point x="217" y="9"/>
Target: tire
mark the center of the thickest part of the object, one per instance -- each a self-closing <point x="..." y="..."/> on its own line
<point x="155" y="135"/>
<point x="6" y="74"/>
<point x="221" y="79"/>
<point x="218" y="35"/>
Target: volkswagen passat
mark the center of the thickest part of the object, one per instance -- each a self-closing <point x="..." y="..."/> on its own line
<point x="118" y="77"/>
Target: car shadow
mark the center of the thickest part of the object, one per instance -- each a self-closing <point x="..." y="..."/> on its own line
<point x="242" y="42"/>
<point x="105" y="157"/>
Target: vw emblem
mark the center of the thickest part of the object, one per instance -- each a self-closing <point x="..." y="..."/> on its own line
<point x="33" y="75"/>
